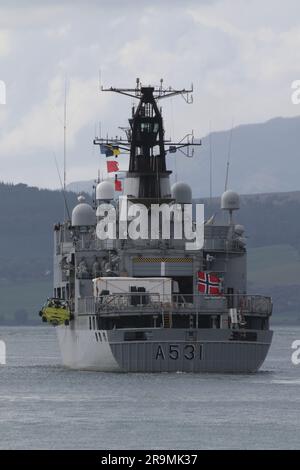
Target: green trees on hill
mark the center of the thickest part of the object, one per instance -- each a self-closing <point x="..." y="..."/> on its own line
<point x="269" y="219"/>
<point x="27" y="216"/>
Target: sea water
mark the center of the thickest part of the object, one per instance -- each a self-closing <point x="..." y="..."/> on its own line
<point x="46" y="406"/>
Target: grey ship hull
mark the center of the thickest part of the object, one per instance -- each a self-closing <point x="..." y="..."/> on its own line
<point x="165" y="350"/>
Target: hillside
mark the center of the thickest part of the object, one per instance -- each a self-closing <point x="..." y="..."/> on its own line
<point x="264" y="158"/>
<point x="270" y="219"/>
<point x="27" y="216"/>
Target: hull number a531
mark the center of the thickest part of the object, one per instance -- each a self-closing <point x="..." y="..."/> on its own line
<point x="175" y="352"/>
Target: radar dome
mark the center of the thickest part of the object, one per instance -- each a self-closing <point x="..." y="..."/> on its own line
<point x="230" y="201"/>
<point x="105" y="191"/>
<point x="83" y="214"/>
<point x="182" y="193"/>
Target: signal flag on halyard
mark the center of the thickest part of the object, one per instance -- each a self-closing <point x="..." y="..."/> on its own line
<point x="112" y="166"/>
<point x="209" y="283"/>
<point x="118" y="184"/>
<point x="109" y="150"/>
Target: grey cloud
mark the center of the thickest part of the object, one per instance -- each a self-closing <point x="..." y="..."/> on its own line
<point x="239" y="68"/>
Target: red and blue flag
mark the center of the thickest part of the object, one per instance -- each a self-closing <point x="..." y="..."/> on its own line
<point x="208" y="283"/>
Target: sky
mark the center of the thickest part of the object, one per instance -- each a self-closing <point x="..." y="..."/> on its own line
<point x="241" y="57"/>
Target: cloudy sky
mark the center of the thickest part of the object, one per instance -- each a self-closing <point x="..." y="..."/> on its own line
<point x="241" y="57"/>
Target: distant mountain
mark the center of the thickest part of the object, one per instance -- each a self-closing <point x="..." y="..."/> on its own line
<point x="264" y="158"/>
<point x="27" y="216"/>
<point x="81" y="186"/>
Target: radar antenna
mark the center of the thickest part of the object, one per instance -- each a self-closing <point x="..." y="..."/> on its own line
<point x="159" y="92"/>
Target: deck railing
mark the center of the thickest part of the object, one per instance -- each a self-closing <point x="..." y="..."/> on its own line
<point x="145" y="303"/>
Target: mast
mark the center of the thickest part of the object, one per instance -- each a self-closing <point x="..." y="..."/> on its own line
<point x="65" y="140"/>
<point x="148" y="178"/>
<point x="228" y="157"/>
<point x="147" y="152"/>
<point x="210" y="166"/>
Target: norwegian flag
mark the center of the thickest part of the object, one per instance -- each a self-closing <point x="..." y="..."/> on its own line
<point x="208" y="283"/>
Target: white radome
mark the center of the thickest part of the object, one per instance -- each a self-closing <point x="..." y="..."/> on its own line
<point x="182" y="193"/>
<point x="230" y="201"/>
<point x="83" y="214"/>
<point x="105" y="191"/>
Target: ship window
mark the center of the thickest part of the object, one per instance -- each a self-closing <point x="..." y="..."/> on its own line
<point x="146" y="127"/>
<point x="149" y="127"/>
<point x="243" y="336"/>
<point x="255" y="323"/>
<point x="135" y="336"/>
<point x="204" y="321"/>
<point x="230" y="297"/>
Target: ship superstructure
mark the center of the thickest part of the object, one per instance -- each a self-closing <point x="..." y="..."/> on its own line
<point x="150" y="304"/>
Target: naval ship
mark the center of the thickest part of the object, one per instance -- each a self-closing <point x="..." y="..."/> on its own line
<point x="152" y="305"/>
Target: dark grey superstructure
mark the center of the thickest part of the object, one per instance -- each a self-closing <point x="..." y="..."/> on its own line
<point x="153" y="305"/>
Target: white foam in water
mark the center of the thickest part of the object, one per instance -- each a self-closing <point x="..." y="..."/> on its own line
<point x="287" y="381"/>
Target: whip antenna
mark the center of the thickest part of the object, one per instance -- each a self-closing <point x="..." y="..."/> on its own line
<point x="63" y="189"/>
<point x="228" y="157"/>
